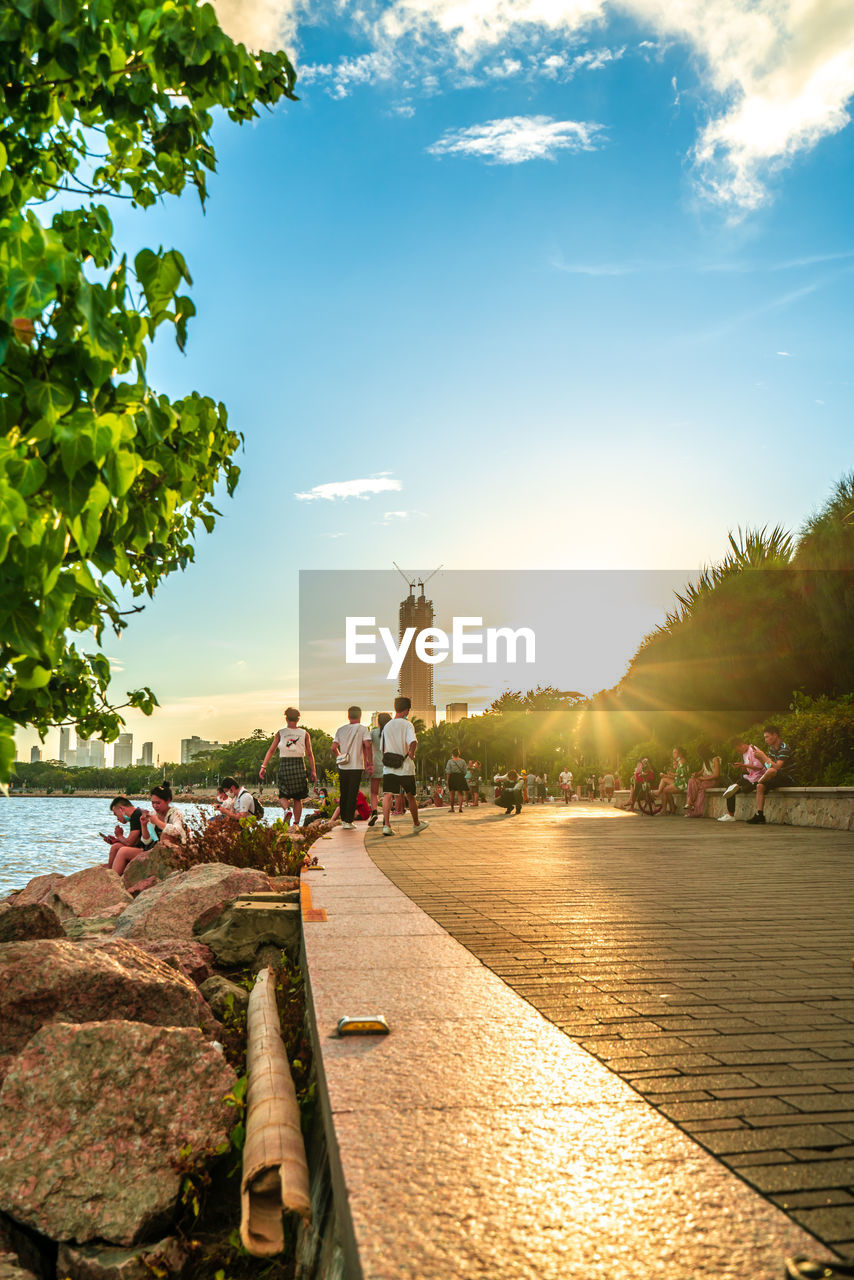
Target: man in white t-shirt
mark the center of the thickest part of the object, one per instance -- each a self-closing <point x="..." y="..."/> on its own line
<point x="565" y="781"/>
<point x="241" y="800"/>
<point x="399" y="745"/>
<point x="353" y="751"/>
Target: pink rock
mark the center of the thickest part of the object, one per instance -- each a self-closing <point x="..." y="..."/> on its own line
<point x="88" y="893"/>
<point x="140" y="886"/>
<point x="170" y="909"/>
<point x="93" y="1119"/>
<point x="157" y="863"/>
<point x="37" y="890"/>
<point x="32" y="920"/>
<point x="55" y="980"/>
<point x="193" y="959"/>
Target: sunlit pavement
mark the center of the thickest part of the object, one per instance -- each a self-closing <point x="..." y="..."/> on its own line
<point x="709" y="965"/>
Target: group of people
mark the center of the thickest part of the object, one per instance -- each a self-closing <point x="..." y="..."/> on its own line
<point x="385" y="753"/>
<point x="754" y="770"/>
<point x="138" y="830"/>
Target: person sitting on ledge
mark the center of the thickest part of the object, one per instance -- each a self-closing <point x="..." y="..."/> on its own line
<point x="743" y="774"/>
<point x="126" y="845"/>
<point x="708" y="775"/>
<point x="779" y="771"/>
<point x="164" y="821"/>
<point x="672" y="783"/>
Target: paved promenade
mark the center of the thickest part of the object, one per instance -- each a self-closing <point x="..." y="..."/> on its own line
<point x="707" y="965"/>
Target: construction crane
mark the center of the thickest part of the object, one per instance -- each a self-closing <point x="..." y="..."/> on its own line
<point x="416" y="582"/>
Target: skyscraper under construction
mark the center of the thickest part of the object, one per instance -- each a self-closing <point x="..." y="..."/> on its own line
<point x="416" y="676"/>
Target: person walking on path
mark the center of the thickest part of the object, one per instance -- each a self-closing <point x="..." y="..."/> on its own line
<point x="708" y="775"/>
<point x="779" y="770"/>
<point x="565" y="781"/>
<point x="353" y="751"/>
<point x="399" y="744"/>
<point x="294" y="747"/>
<point x="743" y="775"/>
<point x="455" y="773"/>
<point x="377" y="753"/>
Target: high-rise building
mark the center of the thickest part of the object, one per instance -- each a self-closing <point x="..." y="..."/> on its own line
<point x="35" y="755"/>
<point x="96" y="753"/>
<point x="123" y="751"/>
<point x="64" y="744"/>
<point x="456" y="711"/>
<point x="416" y="676"/>
<point x="81" y="753"/>
<point x="147" y="753"/>
<point x="196" y="746"/>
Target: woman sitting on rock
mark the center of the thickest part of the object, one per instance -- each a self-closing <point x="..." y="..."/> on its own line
<point x="164" y="822"/>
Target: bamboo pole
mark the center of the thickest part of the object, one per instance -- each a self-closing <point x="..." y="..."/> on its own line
<point x="275" y="1173"/>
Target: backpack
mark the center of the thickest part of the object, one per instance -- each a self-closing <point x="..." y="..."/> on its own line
<point x="257" y="807"/>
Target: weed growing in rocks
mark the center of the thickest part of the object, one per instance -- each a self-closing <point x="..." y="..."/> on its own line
<point x="270" y="847"/>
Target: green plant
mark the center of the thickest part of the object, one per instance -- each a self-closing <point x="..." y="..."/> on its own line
<point x="245" y="842"/>
<point x="103" y="482"/>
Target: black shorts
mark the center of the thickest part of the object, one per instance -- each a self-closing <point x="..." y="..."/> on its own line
<point x="397" y="784"/>
<point x="292" y="779"/>
<point x="457" y="782"/>
<point x="775" y="780"/>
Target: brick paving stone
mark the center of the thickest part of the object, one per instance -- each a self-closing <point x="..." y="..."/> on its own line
<point x="812" y="1199"/>
<point x="749" y="1159"/>
<point x="765" y="1139"/>
<point x="678" y="958"/>
<point x="833" y="1224"/>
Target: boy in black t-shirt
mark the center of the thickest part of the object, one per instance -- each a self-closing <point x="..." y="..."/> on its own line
<point x="780" y="771"/>
<point x="125" y="845"/>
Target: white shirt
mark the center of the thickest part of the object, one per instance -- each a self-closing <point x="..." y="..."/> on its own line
<point x="398" y="736"/>
<point x="566" y="778"/>
<point x="243" y="802"/>
<point x="350" y="738"/>
<point x="291" y="741"/>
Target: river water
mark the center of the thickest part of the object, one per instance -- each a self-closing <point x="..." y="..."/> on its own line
<point x="39" y="834"/>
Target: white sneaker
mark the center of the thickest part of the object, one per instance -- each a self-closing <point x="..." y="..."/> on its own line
<point x="731" y="790"/>
<point x="387" y="831"/>
<point x="348" y="826"/>
<point x="419" y="827"/>
<point x="728" y="817"/>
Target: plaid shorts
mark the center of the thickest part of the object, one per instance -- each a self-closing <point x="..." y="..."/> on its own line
<point x="292" y="778"/>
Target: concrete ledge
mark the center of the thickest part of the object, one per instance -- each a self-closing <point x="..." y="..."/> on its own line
<point x="830" y="807"/>
<point x="476" y="1139"/>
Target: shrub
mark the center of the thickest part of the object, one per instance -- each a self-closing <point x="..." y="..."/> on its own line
<point x="249" y="842"/>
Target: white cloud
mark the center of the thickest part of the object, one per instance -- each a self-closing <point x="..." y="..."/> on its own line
<point x="785" y="353"/>
<point x="390" y="516"/>
<point x="260" y="24"/>
<point x="518" y="138"/>
<point x="503" y="70"/>
<point x="776" y="75"/>
<point x="350" y="489"/>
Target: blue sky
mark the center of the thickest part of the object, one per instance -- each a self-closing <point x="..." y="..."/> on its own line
<point x="564" y="285"/>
